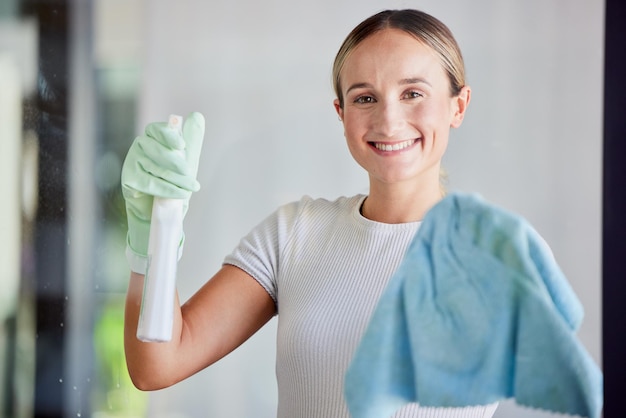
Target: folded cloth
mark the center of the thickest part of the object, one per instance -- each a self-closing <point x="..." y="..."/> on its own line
<point x="478" y="311"/>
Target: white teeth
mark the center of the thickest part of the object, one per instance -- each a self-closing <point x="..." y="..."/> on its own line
<point x="394" y="147"/>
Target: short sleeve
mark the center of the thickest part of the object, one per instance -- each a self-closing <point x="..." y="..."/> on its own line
<point x="259" y="252"/>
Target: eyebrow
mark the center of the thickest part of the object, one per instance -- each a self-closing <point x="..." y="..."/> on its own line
<point x="404" y="81"/>
<point x="414" y="80"/>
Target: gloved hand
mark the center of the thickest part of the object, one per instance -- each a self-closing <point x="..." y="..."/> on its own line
<point x="162" y="163"/>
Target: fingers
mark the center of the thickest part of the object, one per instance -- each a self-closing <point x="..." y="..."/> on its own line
<point x="166" y="183"/>
<point x="170" y="139"/>
<point x="163" y="134"/>
<point x="164" y="162"/>
<point x="152" y="181"/>
<point x="162" y="155"/>
<point x="153" y="169"/>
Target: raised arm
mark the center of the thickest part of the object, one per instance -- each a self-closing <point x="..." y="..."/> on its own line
<point x="228" y="309"/>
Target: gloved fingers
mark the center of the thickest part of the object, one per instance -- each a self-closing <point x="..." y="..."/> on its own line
<point x="154" y="187"/>
<point x="163" y="134"/>
<point x="167" y="183"/>
<point x="163" y="156"/>
<point x="193" y="133"/>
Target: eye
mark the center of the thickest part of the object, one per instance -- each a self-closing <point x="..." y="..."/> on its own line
<point x="412" y="94"/>
<point x="364" y="100"/>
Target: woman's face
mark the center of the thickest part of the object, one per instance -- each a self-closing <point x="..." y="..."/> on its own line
<point x="397" y="110"/>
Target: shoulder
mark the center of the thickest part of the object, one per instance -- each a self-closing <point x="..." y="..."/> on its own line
<point x="305" y="214"/>
<point x="309" y="205"/>
<point x="311" y="215"/>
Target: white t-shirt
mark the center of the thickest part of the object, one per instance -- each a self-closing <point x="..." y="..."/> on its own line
<point x="325" y="266"/>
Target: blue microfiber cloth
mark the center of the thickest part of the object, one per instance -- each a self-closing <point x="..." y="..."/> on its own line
<point x="477" y="312"/>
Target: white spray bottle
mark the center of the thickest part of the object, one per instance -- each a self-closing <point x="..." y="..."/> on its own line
<point x="166" y="230"/>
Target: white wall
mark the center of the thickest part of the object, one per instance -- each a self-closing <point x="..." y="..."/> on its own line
<point x="260" y="72"/>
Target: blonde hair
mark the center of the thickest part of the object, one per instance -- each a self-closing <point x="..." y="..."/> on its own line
<point x="424" y="27"/>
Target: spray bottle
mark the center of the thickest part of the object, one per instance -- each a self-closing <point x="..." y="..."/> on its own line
<point x="156" y="318"/>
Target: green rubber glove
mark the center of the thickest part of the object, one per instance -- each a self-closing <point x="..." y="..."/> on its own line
<point x="162" y="163"/>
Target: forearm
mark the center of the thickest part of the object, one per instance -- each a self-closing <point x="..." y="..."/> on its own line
<point x="221" y="315"/>
<point x="150" y="365"/>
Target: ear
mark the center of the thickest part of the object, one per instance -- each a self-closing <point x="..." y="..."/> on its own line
<point x="338" y="109"/>
<point x="459" y="106"/>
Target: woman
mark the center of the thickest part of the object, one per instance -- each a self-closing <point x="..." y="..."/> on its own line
<point x="319" y="265"/>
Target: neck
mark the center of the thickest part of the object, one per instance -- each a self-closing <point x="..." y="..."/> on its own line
<point x="400" y="203"/>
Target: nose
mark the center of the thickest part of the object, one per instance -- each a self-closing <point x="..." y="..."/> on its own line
<point x="389" y="119"/>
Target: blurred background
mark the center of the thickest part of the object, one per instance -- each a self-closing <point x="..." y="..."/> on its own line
<point x="80" y="78"/>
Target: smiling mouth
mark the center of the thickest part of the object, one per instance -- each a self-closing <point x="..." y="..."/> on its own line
<point x="398" y="146"/>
